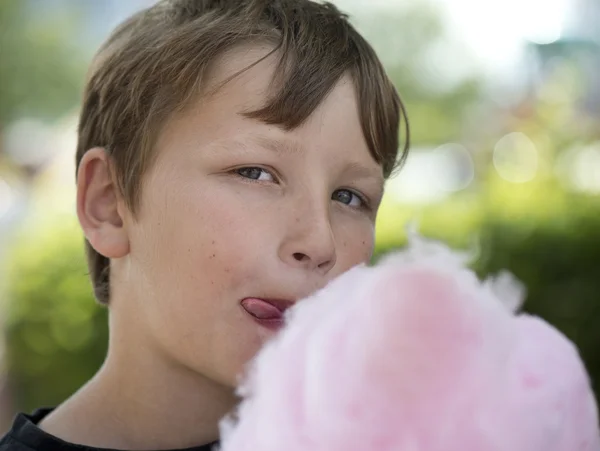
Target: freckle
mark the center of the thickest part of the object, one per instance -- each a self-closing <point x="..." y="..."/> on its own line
<point x="213" y="242"/>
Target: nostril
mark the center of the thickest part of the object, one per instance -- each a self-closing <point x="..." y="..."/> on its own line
<point x="300" y="256"/>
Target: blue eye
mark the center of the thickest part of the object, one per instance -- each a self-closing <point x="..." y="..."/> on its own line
<point x="349" y="198"/>
<point x="255" y="173"/>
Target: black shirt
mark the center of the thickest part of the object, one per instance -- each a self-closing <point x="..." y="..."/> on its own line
<point x="26" y="436"/>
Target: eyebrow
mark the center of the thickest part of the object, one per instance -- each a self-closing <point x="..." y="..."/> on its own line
<point x="360" y="171"/>
<point x="276" y="145"/>
<point x="355" y="169"/>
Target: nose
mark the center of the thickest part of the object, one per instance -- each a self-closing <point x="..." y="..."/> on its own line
<point x="309" y="241"/>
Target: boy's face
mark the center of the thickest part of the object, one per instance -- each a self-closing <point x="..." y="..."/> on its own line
<point x="235" y="209"/>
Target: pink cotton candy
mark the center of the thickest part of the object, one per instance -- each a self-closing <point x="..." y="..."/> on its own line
<point x="415" y="354"/>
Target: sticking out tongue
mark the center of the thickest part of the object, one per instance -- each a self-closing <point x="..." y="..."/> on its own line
<point x="261" y="309"/>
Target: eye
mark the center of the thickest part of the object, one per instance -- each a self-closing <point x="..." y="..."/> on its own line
<point x="255" y="173"/>
<point x="349" y="198"/>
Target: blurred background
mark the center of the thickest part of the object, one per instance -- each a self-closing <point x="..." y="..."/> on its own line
<point x="504" y="102"/>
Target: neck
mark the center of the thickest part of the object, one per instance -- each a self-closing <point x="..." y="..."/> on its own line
<point x="144" y="400"/>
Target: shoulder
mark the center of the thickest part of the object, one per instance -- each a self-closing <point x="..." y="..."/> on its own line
<point x="9" y="443"/>
<point x="24" y="435"/>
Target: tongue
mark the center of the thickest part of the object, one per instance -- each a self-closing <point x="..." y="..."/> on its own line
<point x="261" y="309"/>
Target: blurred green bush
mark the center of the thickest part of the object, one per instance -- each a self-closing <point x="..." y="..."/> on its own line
<point x="56" y="333"/>
<point x="549" y="238"/>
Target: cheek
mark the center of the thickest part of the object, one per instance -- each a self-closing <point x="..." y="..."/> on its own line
<point x="211" y="235"/>
<point x="355" y="244"/>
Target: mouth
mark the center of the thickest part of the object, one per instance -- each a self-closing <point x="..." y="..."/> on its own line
<point x="268" y="313"/>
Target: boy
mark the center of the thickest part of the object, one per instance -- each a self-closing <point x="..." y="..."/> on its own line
<point x="231" y="160"/>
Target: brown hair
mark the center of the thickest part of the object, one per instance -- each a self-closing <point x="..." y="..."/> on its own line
<point x="154" y="63"/>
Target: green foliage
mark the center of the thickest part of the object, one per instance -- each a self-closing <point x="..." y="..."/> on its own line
<point x="56" y="333"/>
<point x="41" y="73"/>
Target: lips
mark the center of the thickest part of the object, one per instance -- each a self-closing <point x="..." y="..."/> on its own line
<point x="267" y="312"/>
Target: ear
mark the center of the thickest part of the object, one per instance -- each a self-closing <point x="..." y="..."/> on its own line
<point x="99" y="206"/>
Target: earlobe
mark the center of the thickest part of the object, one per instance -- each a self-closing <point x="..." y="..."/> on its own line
<point x="98" y="205"/>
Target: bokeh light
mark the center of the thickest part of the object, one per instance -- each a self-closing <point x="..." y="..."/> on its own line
<point x="457" y="169"/>
<point x="516" y="158"/>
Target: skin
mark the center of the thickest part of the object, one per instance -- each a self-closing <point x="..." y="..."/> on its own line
<point x="231" y="208"/>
